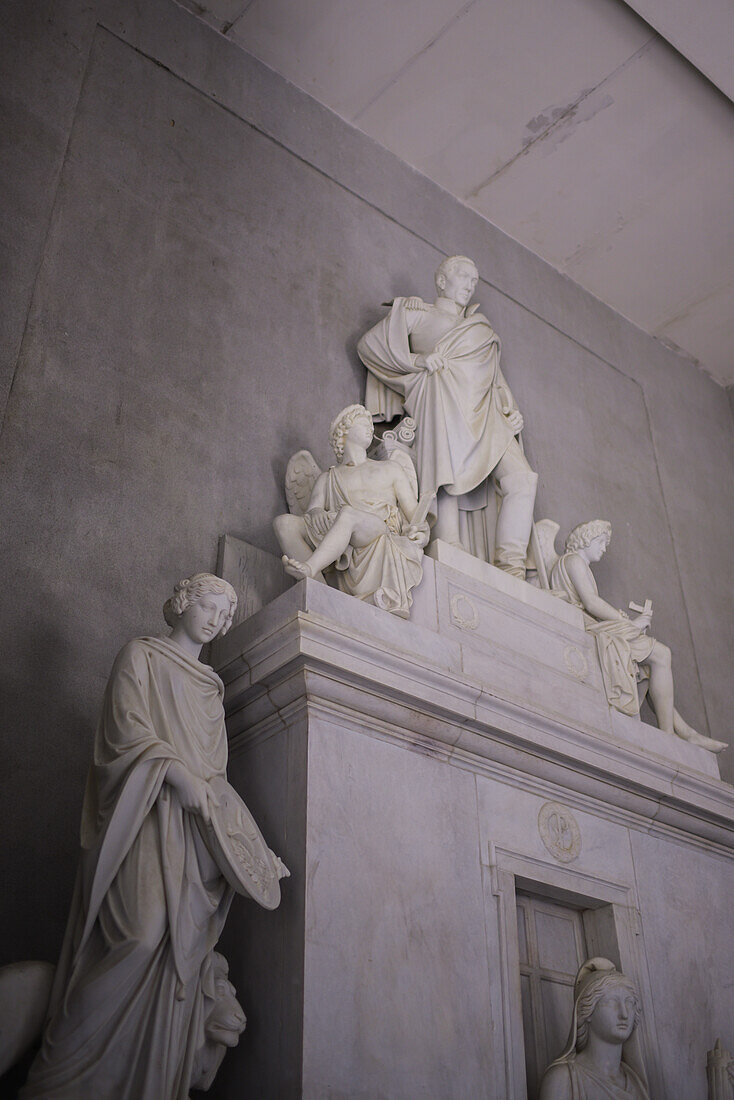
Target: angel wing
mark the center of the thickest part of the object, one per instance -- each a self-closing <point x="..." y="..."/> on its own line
<point x="397" y="454"/>
<point x="546" y="530"/>
<point x="300" y="477"/>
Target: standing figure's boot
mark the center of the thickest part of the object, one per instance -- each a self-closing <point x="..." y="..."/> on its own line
<point x="447" y="521"/>
<point x="515" y="521"/>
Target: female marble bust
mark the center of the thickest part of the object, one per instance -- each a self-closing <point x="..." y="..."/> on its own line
<point x="140" y="1008"/>
<point x="605" y="1013"/>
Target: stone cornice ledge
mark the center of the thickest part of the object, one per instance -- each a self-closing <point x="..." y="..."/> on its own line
<point x="292" y="653"/>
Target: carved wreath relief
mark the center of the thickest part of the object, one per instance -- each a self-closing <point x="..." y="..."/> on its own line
<point x="576" y="662"/>
<point x="464" y="612"/>
<point x="559" y="831"/>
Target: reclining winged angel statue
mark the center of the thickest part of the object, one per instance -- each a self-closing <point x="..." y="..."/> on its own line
<point x="361" y="516"/>
<point x="628" y="655"/>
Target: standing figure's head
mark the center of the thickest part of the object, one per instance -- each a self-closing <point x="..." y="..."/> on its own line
<point x="605" y="1002"/>
<point x="593" y="536"/>
<point x="354" y="423"/>
<point x="456" y="278"/>
<point x="606" y="1010"/>
<point x="203" y="605"/>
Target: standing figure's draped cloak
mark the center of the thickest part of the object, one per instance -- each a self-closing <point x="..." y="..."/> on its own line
<point x="135" y="981"/>
<point x="622" y="646"/>
<point x="463" y="430"/>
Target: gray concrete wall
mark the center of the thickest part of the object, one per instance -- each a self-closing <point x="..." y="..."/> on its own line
<point x="193" y="248"/>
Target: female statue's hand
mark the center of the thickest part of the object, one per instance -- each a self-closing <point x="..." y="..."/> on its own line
<point x="193" y="793"/>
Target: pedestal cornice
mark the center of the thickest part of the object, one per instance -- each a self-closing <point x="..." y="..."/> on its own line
<point x="318" y="649"/>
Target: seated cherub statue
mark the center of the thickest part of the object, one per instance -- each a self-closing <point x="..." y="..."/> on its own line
<point x="361" y="516"/>
<point x="626" y="651"/>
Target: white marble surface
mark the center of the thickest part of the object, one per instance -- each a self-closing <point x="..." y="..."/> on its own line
<point x="255" y="575"/>
<point x="685" y="900"/>
<point x="396" y="973"/>
<point x="498" y="579"/>
<point x="674" y="750"/>
<point x="720" y="1072"/>
<point x="420" y="781"/>
<point x="517" y="669"/>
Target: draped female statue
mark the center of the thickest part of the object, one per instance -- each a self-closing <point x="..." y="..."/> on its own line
<point x="141" y="1008"/>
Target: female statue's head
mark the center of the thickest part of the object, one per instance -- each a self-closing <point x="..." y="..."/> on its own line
<point x="605" y="1002"/>
<point x="606" y="1010"/>
<point x="204" y="604"/>
<point x="585" y="533"/>
<point x="344" y="422"/>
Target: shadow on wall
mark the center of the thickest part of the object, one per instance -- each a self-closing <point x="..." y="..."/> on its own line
<point x="52" y="730"/>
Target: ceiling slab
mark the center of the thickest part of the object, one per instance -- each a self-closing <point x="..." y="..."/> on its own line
<point x="573" y="125"/>
<point x="633" y="204"/>
<point x="702" y="31"/>
<point x="485" y="91"/>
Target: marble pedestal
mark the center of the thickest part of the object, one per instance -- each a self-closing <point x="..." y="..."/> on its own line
<point x="416" y="775"/>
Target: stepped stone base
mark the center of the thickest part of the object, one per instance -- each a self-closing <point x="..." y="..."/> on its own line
<point x="414" y="776"/>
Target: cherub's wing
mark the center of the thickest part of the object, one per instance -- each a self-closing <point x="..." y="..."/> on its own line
<point x="397" y="454"/>
<point x="300" y="477"/>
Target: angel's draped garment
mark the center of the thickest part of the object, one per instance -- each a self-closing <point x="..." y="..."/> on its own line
<point x="384" y="571"/>
<point x="622" y="646"/>
<point x="135" y="981"/>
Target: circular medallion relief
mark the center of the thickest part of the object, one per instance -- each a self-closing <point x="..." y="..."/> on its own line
<point x="559" y="831"/>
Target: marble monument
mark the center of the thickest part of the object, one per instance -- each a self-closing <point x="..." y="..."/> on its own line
<point x="141" y="1007"/>
<point x="440" y="362"/>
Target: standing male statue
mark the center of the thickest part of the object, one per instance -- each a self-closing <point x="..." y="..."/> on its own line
<point x="441" y="364"/>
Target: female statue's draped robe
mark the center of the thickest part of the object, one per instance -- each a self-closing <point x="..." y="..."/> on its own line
<point x="584" y="1084"/>
<point x="135" y="982"/>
